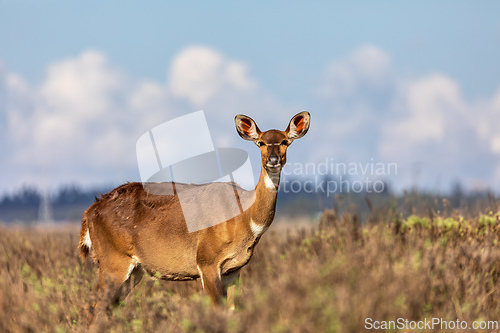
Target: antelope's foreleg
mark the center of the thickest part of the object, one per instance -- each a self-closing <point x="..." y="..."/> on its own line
<point x="212" y="284"/>
<point x="231" y="283"/>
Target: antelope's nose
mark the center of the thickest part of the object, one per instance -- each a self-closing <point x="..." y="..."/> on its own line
<point x="273" y="160"/>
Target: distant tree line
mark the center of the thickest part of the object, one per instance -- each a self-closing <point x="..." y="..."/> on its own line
<point x="67" y="203"/>
<point x="296" y="198"/>
<point x="69" y="194"/>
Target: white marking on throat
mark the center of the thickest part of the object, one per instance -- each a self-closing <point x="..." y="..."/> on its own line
<point x="271" y="180"/>
<point x="257" y="229"/>
<point x="86" y="240"/>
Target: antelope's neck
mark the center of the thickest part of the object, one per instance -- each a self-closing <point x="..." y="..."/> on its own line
<point x="266" y="192"/>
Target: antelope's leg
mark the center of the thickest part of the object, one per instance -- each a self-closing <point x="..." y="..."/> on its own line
<point x="117" y="273"/>
<point x="231" y="284"/>
<point x="212" y="283"/>
<point x="133" y="279"/>
<point x="117" y="276"/>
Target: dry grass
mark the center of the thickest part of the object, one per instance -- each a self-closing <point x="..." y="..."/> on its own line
<point x="326" y="280"/>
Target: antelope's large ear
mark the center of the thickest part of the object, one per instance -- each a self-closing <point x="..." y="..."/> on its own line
<point x="246" y="127"/>
<point x="299" y="125"/>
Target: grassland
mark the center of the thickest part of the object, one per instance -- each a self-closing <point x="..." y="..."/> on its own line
<point x="329" y="278"/>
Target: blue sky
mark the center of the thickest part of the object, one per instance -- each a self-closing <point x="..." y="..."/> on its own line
<point x="412" y="83"/>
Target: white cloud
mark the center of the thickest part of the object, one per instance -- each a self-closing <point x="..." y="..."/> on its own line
<point x="367" y="67"/>
<point x="435" y="130"/>
<point x="495" y="144"/>
<point x="198" y="73"/>
<point x="148" y="95"/>
<point x="78" y="98"/>
<point x="150" y="102"/>
<point x="428" y="106"/>
<point x="424" y="124"/>
<point x="82" y="121"/>
<point x="18" y="100"/>
<point x="74" y="126"/>
<point x="83" y="87"/>
<point x="356" y="92"/>
<point x="487" y="120"/>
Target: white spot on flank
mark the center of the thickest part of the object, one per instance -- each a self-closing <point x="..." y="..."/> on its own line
<point x="257" y="229"/>
<point x="86" y="240"/>
<point x="271" y="181"/>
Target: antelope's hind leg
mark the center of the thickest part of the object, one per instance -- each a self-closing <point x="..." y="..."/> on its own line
<point x="134" y="278"/>
<point x="117" y="277"/>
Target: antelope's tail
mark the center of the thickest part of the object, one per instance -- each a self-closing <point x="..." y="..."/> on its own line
<point x="85" y="244"/>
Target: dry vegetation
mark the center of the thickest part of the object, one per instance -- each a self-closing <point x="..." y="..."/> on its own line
<point x="329" y="279"/>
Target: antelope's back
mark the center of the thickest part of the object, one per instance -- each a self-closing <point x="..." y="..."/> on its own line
<point x="130" y="208"/>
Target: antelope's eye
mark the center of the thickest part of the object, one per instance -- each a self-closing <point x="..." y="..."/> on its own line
<point x="260" y="143"/>
<point x="284" y="142"/>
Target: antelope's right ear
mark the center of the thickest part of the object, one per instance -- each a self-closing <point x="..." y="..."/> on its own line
<point x="246" y="127"/>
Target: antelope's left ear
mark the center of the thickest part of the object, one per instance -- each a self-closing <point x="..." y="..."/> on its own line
<point x="299" y="125"/>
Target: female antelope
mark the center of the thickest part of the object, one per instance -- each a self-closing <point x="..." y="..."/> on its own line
<point x="130" y="230"/>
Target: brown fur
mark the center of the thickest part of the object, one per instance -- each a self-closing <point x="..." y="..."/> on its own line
<point x="132" y="230"/>
<point x="84" y="250"/>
